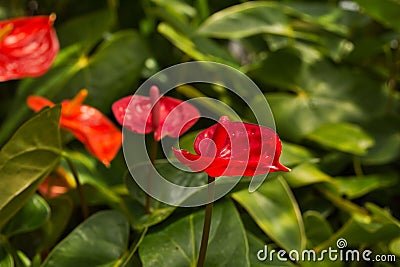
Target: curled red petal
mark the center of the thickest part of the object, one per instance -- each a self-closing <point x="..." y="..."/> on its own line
<point x="99" y="135"/>
<point x="28" y="46"/>
<point x="36" y="103"/>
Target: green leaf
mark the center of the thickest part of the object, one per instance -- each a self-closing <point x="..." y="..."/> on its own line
<point x="274" y="209"/>
<point x="26" y="159"/>
<point x="293" y="154"/>
<point x="245" y="20"/>
<point x="108" y="74"/>
<point x="379" y="226"/>
<point x="306" y="174"/>
<point x="178" y="244"/>
<point x="394" y="246"/>
<point x="110" y="71"/>
<point x="61" y="211"/>
<point x="99" y="241"/>
<point x="386" y="132"/>
<point x="384" y="11"/>
<point x="354" y="187"/>
<point x="285" y="68"/>
<point x="33" y="215"/>
<point x="92" y="27"/>
<point x="324" y="93"/>
<point x="6" y="259"/>
<point x="255" y="245"/>
<point x="344" y="137"/>
<point x="197" y="47"/>
<point x="160" y="211"/>
<point x="327" y="16"/>
<point x="317" y="228"/>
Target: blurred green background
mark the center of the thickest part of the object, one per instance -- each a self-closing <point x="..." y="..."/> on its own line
<point x="330" y="73"/>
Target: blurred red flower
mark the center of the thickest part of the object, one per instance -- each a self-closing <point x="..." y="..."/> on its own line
<point x="234" y="149"/>
<point x="28" y="46"/>
<point x="99" y="135"/>
<point x="161" y="115"/>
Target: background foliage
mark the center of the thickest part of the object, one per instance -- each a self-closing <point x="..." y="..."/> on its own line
<point x="330" y="72"/>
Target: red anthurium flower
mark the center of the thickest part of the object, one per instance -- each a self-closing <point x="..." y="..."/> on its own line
<point x="99" y="135"/>
<point x="28" y="46"/>
<point x="161" y="115"/>
<point x="234" y="149"/>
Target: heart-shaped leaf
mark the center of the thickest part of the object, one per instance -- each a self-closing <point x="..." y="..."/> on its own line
<point x="178" y="244"/>
<point x="101" y="240"/>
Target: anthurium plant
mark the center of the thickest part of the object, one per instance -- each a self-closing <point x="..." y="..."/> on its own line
<point x="74" y="88"/>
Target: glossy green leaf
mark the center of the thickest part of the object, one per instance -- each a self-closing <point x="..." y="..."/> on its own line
<point x="343" y="137"/>
<point x="101" y="240"/>
<point x="327" y="16"/>
<point x="285" y="68"/>
<point x="247" y="19"/>
<point x="306" y="174"/>
<point x="178" y="7"/>
<point x="324" y="94"/>
<point x="197" y="47"/>
<point x="275" y="210"/>
<point x="26" y="159"/>
<point x="354" y="187"/>
<point x="30" y="217"/>
<point x="178" y="243"/>
<point x="110" y="71"/>
<point x="293" y="154"/>
<point x="384" y="11"/>
<point x="317" y="228"/>
<point x="61" y="211"/>
<point x="379" y="226"/>
<point x="92" y="28"/>
<point x="386" y="132"/>
<point x="134" y="206"/>
<point x="257" y="257"/>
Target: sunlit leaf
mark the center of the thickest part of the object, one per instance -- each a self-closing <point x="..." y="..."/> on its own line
<point x="276" y="212"/>
<point x="27" y="158"/>
<point x="343" y="137"/>
<point x="247" y="19"/>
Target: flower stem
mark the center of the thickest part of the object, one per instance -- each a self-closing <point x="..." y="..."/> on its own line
<point x="207" y="223"/>
<point x="153" y="154"/>
<point x="85" y="210"/>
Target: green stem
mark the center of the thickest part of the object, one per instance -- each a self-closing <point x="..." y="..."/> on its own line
<point x="134" y="248"/>
<point x="357" y="166"/>
<point x="85" y="210"/>
<point x="394" y="70"/>
<point x="342" y="203"/>
<point x="207" y="223"/>
<point x="153" y="154"/>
